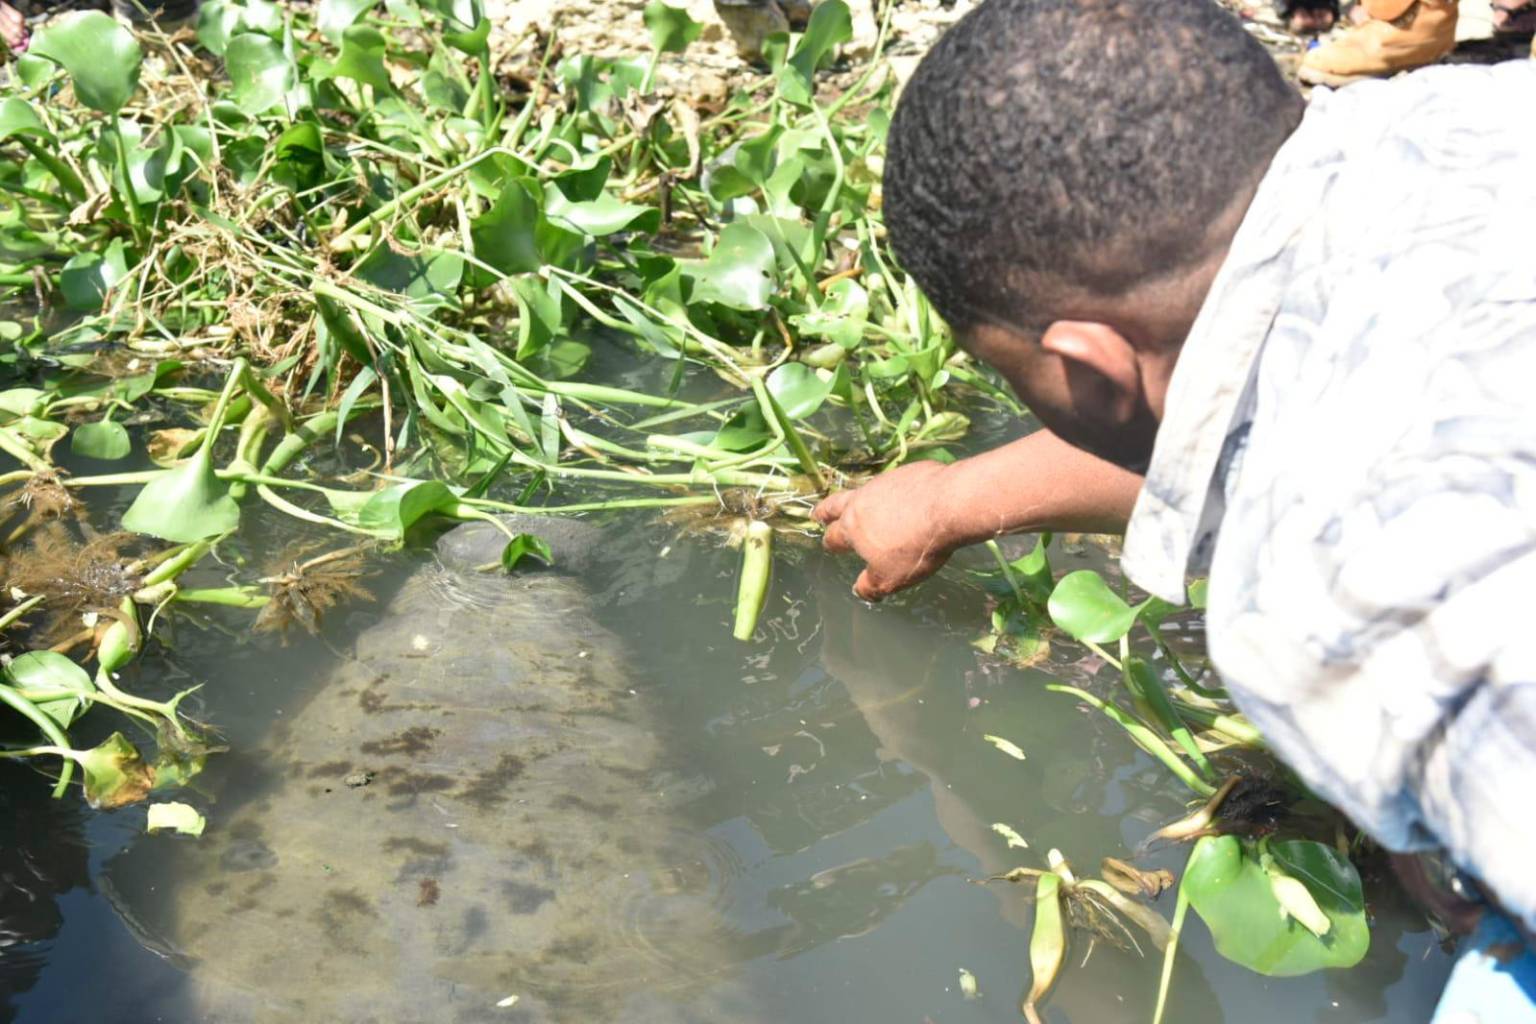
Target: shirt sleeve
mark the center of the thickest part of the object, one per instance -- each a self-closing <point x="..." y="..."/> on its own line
<point x="1373" y="586"/>
<point x="1390" y="660"/>
<point x="1372" y="602"/>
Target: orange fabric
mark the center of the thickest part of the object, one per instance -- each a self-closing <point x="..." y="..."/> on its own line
<point x="1388" y="10"/>
<point x="1383" y="47"/>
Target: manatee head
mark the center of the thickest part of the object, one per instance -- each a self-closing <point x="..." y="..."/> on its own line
<point x="575" y="543"/>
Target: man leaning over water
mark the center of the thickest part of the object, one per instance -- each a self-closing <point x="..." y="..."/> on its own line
<point x="1325" y="319"/>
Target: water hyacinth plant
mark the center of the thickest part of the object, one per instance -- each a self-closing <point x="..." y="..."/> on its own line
<point x="308" y="226"/>
<point x="337" y="262"/>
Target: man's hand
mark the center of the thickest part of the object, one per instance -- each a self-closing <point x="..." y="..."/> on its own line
<point x="895" y="523"/>
<point x="906" y="523"/>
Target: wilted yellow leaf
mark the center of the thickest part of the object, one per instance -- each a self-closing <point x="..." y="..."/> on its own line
<point x="1006" y="746"/>
<point x="1014" y="839"/>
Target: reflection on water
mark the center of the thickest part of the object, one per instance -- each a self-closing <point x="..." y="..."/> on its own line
<point x="42" y="856"/>
<point x="815" y="804"/>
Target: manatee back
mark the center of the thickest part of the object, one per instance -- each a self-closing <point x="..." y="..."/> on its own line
<point x="462" y="812"/>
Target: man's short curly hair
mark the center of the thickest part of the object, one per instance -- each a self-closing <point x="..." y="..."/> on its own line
<point x="1047" y="147"/>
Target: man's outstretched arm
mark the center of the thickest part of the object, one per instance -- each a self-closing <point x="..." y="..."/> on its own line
<point x="906" y="523"/>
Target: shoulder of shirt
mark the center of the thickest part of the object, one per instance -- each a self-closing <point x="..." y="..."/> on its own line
<point x="1378" y="106"/>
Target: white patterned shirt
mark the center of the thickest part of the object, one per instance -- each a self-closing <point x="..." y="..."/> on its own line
<point x="1349" y="450"/>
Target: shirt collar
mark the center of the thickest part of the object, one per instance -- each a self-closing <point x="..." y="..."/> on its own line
<point x="1175" y="514"/>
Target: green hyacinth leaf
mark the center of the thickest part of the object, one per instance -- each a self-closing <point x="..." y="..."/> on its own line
<point x="740" y="271"/>
<point x="184" y="504"/>
<point x="101" y="57"/>
<point x="1084" y="606"/>
<point x="525" y="545"/>
<point x="1227" y="884"/>
<point x="18" y="118"/>
<point x="671" y="28"/>
<point x="104" y="439"/>
<point x="56" y="686"/>
<point x="261" y="74"/>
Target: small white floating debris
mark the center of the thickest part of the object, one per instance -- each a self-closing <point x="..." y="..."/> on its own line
<point x="180" y="817"/>
<point x="1006" y="746"/>
<point x="420" y="643"/>
<point x="1014" y="839"/>
<point x="968" y="985"/>
<point x="509" y="1001"/>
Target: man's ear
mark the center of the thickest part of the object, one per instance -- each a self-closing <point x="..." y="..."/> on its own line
<point x="1101" y="365"/>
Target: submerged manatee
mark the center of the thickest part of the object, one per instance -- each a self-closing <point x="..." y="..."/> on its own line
<point x="465" y="810"/>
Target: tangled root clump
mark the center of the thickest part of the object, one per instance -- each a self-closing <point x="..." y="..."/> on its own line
<point x="44" y="497"/>
<point x="304" y="591"/>
<point x="74" y="574"/>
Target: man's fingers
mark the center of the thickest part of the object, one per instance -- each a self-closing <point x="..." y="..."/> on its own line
<point x="836" y="539"/>
<point x="866" y="587"/>
<point x="13" y="29"/>
<point x="831" y="507"/>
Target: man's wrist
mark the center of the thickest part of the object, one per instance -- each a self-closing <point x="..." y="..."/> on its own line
<point x="958" y="499"/>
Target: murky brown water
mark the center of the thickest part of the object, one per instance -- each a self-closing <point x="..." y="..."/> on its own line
<point x="800" y="821"/>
